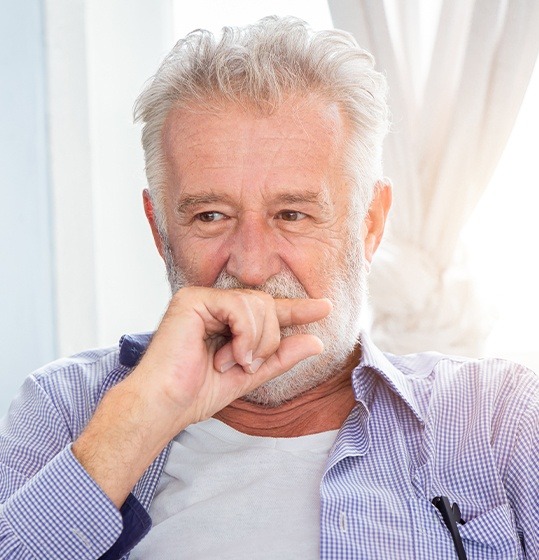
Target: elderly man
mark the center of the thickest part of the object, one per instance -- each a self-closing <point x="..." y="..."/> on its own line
<point x="258" y="422"/>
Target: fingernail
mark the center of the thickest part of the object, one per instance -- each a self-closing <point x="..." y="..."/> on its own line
<point x="254" y="367"/>
<point x="226" y="366"/>
<point x="249" y="357"/>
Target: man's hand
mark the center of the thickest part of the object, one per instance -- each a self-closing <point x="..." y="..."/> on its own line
<point x="212" y="347"/>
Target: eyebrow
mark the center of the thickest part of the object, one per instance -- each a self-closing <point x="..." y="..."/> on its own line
<point x="189" y="201"/>
<point x="310" y="197"/>
<point x="320" y="198"/>
<point x="304" y="196"/>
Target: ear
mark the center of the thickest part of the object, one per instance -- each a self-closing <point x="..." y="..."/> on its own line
<point x="150" y="215"/>
<point x="375" y="220"/>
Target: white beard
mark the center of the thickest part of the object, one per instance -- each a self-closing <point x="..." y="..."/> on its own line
<point x="339" y="332"/>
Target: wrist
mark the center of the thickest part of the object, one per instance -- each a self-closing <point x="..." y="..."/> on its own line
<point x="122" y="439"/>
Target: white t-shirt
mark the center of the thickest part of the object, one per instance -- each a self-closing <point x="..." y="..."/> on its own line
<point x="228" y="495"/>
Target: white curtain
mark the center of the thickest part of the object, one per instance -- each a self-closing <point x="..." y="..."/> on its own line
<point x="449" y="130"/>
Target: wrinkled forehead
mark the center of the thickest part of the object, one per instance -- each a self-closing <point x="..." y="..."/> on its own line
<point x="302" y="133"/>
<point x="312" y="109"/>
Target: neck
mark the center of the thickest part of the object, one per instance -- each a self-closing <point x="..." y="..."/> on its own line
<point x="323" y="408"/>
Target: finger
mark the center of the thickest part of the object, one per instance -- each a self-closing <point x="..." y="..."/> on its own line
<point x="270" y="339"/>
<point x="245" y="342"/>
<point x="287" y="312"/>
<point x="242" y="316"/>
<point x="223" y="360"/>
<point x="292" y="350"/>
<point x="226" y="357"/>
<point x="301" y="311"/>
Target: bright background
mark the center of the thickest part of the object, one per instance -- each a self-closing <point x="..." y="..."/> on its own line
<point x="78" y="264"/>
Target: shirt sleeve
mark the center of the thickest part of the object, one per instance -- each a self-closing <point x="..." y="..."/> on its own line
<point x="523" y="473"/>
<point x="59" y="513"/>
<point x="49" y="506"/>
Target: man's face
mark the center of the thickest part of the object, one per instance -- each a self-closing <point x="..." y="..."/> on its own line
<point x="261" y="202"/>
<point x="255" y="196"/>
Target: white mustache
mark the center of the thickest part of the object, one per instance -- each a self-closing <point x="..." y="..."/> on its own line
<point x="283" y="285"/>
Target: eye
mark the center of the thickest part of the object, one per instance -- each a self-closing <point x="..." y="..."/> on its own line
<point x="210" y="216"/>
<point x="291" y="215"/>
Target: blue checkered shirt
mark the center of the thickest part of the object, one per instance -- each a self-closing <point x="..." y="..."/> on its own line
<point x="425" y="425"/>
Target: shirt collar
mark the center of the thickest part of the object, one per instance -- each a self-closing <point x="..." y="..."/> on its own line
<point x="133" y="346"/>
<point x="375" y="361"/>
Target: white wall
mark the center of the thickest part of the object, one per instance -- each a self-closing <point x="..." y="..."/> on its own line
<point x="70" y="163"/>
<point x="110" y="279"/>
<point x="27" y="326"/>
<point x="79" y="267"/>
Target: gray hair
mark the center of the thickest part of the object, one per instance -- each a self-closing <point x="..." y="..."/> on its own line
<point x="257" y="67"/>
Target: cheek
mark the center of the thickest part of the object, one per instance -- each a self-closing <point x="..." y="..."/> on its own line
<point x="201" y="262"/>
<point x="313" y="265"/>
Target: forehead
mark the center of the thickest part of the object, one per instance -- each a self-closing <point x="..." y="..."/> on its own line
<point x="300" y="142"/>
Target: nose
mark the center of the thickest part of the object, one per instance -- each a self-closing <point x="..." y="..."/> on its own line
<point x="253" y="257"/>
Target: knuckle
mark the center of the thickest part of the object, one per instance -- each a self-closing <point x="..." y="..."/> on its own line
<point x="242" y="300"/>
<point x="265" y="297"/>
<point x="255" y="300"/>
<point x="269" y="345"/>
